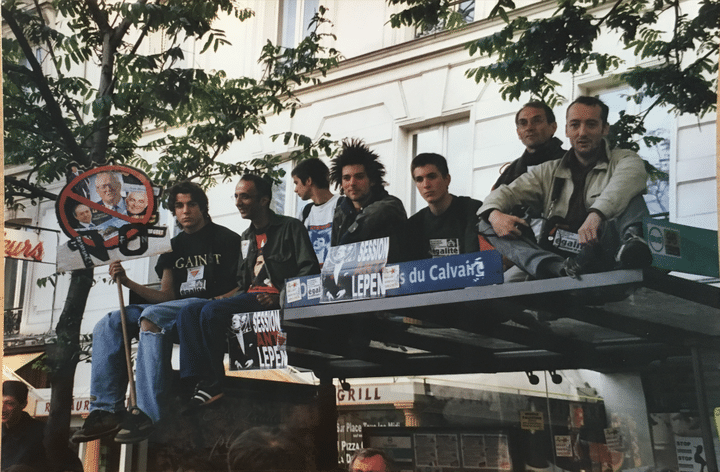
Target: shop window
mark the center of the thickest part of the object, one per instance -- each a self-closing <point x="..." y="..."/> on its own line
<point x="659" y="123"/>
<point x="453" y="140"/>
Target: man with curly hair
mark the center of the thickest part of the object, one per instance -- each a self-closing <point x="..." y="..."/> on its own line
<point x="366" y="210"/>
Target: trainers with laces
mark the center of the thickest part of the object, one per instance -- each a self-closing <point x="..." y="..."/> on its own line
<point x="634" y="253"/>
<point x="570" y="268"/>
<point x="204" y="395"/>
<point x="99" y="423"/>
<point x="136" y="427"/>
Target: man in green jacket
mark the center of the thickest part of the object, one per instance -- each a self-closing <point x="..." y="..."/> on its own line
<point x="591" y="201"/>
<point x="273" y="248"/>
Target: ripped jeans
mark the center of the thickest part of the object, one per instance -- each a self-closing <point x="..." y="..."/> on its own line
<point x="109" y="378"/>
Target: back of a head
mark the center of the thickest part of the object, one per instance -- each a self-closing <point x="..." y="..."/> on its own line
<point x="267" y="449"/>
<point x="315" y="169"/>
<point x="356" y="152"/>
<point x="370" y="452"/>
<point x="15" y="389"/>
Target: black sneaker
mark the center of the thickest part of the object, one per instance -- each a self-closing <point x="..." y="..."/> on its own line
<point x="204" y="395"/>
<point x="634" y="253"/>
<point x="571" y="268"/>
<point x="99" y="423"/>
<point x="135" y="427"/>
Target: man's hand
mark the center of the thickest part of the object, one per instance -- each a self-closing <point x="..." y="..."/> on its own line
<point x="589" y="231"/>
<point x="506" y="226"/>
<point x="269" y="300"/>
<point x="117" y="272"/>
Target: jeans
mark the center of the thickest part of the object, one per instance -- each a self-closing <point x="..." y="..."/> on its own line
<point x="531" y="258"/>
<point x="202" y="328"/>
<point x="109" y="377"/>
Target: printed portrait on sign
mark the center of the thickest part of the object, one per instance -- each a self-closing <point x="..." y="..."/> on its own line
<point x="242" y="343"/>
<point x="105" y="209"/>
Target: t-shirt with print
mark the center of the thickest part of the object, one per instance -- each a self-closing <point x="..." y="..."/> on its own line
<point x="453" y="232"/>
<point x="319" y="226"/>
<point x="203" y="263"/>
<point x="261" y="281"/>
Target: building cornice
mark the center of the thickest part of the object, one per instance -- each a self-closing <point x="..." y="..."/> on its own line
<point x="418" y="50"/>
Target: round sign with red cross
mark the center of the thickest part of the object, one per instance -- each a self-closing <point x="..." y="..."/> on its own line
<point x="106" y="205"/>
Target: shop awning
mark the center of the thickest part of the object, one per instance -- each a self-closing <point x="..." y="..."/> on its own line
<point x="14" y="362"/>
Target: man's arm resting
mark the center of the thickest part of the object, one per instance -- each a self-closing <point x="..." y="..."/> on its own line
<point x="589" y="232"/>
<point x="504" y="225"/>
<point x="228" y="294"/>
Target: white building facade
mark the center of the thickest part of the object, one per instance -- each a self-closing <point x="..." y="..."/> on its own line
<point x="402" y="95"/>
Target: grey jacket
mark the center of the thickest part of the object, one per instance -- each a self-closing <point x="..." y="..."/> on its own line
<point x="609" y="186"/>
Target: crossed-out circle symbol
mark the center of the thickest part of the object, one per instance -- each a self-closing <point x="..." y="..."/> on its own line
<point x="114" y="214"/>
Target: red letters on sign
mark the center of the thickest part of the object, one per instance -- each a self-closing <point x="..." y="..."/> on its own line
<point x="13" y="250"/>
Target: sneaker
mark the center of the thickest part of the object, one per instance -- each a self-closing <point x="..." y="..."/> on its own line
<point x="99" y="423"/>
<point x="570" y="268"/>
<point x="204" y="395"/>
<point x="135" y="427"/>
<point x="634" y="253"/>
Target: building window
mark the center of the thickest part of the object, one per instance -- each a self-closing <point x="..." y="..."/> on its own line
<point x="15" y="277"/>
<point x="463" y="12"/>
<point x="280" y="192"/>
<point x="660" y="123"/>
<point x="295" y="18"/>
<point x="453" y="140"/>
<point x="158" y="42"/>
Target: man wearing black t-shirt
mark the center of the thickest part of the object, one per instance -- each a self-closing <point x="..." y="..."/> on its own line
<point x="273" y="249"/>
<point x="201" y="265"/>
<point x="448" y="225"/>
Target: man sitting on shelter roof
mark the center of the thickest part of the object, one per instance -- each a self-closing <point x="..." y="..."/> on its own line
<point x="273" y="249"/>
<point x="201" y="265"/>
<point x="366" y="210"/>
<point x="591" y="201"/>
<point x="448" y="225"/>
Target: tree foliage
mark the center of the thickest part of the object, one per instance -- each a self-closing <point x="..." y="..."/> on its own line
<point x="527" y="53"/>
<point x="54" y="115"/>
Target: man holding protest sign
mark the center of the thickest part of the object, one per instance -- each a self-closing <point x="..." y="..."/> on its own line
<point x="274" y="248"/>
<point x="201" y="265"/>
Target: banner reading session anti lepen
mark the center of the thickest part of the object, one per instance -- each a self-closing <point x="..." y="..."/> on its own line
<point x="256" y="341"/>
<point x="108" y="213"/>
<point x="354" y="271"/>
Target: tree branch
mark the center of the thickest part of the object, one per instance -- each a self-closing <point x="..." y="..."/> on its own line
<point x="41" y="82"/>
<point x="30" y="187"/>
<point x="97" y="16"/>
<point x="68" y="103"/>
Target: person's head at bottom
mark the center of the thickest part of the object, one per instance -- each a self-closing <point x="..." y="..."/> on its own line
<point x="371" y="460"/>
<point x="267" y="449"/>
